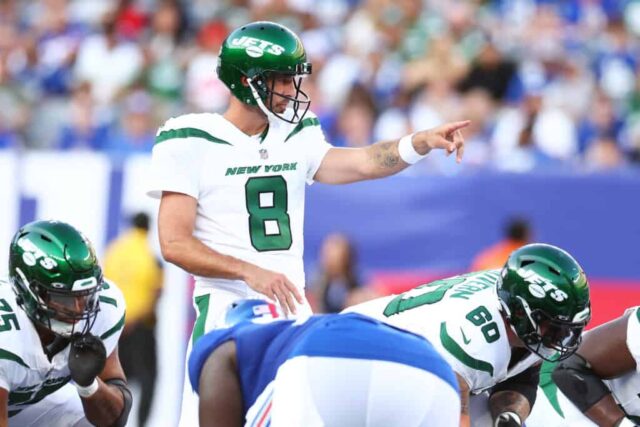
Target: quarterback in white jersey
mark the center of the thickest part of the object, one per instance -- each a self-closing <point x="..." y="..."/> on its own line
<point x="250" y="191"/>
<point x="494" y="327"/>
<point x="232" y="186"/>
<point x="60" y="327"/>
<point x="599" y="384"/>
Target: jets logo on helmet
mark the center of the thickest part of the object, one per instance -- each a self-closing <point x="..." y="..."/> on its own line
<point x="253" y="56"/>
<point x="32" y="254"/>
<point x="539" y="286"/>
<point x="255" y="48"/>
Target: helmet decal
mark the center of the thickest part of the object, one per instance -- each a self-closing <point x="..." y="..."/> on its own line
<point x="541" y="286"/>
<point x="82" y="284"/>
<point x="29" y="258"/>
<point x="33" y="253"/>
<point x="255" y="47"/>
<point x="582" y="316"/>
<point x="254" y="310"/>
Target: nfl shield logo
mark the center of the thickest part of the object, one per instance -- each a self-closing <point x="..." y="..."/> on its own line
<point x="263" y="153"/>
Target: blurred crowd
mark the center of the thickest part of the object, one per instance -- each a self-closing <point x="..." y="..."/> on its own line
<point x="546" y="83"/>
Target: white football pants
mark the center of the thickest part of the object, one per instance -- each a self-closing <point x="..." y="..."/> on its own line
<point x="341" y="392"/>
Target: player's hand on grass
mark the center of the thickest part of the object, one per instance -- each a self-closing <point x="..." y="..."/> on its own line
<point x="87" y="358"/>
<point x="446" y="137"/>
<point x="275" y="286"/>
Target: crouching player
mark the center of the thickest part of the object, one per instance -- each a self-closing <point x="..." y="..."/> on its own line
<point x="599" y="384"/>
<point x="59" y="325"/>
<point x="329" y="370"/>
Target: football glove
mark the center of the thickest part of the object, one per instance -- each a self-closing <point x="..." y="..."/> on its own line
<point x="87" y="358"/>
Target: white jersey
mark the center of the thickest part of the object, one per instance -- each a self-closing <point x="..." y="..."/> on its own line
<point x="625" y="389"/>
<point x="250" y="190"/>
<point x="461" y="317"/>
<point x="25" y="370"/>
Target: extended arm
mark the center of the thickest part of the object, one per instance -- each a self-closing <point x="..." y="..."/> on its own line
<point x="511" y="400"/>
<point x="346" y="165"/>
<point x="603" y="354"/>
<point x="176" y="222"/>
<point x="220" y="396"/>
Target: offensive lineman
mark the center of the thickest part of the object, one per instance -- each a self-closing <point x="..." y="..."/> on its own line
<point x="494" y="326"/>
<point x="599" y="384"/>
<point x="59" y="329"/>
<point x="231" y="186"/>
<point x="328" y="370"/>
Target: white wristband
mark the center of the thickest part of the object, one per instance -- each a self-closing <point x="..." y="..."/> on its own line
<point x="626" y="422"/>
<point x="407" y="153"/>
<point x="89" y="390"/>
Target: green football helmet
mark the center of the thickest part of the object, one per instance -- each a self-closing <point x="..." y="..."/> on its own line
<point x="56" y="277"/>
<point x="544" y="294"/>
<point x="254" y="53"/>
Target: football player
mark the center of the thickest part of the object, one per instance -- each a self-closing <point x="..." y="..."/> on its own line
<point x="599" y="384"/>
<point x="494" y="327"/>
<point x="232" y="185"/>
<point x="59" y="329"/>
<point x="327" y="370"/>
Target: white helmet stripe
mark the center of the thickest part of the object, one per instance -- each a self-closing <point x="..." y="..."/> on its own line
<point x="28" y="285"/>
<point x="582" y="315"/>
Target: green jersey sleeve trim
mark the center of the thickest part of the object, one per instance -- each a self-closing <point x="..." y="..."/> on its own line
<point x="7" y="355"/>
<point x="108" y="300"/>
<point x="458" y="352"/>
<point x="309" y="121"/>
<point x="188" y="133"/>
<point x="202" y="302"/>
<point x="549" y="388"/>
<point x="114" y="329"/>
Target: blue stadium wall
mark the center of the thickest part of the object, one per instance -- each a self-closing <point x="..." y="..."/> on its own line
<point x="407" y="228"/>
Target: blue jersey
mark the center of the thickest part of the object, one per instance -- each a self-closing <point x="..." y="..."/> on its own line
<point x="261" y="349"/>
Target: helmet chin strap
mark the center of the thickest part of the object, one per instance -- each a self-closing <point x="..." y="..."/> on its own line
<point x="258" y="100"/>
<point x="57" y="345"/>
<point x="527" y="311"/>
<point x="507" y="313"/>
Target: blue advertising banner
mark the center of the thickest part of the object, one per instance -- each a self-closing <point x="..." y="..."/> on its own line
<point x="439" y="223"/>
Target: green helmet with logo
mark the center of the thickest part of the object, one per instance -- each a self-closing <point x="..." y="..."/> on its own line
<point x="55" y="274"/>
<point x="253" y="53"/>
<point x="545" y="296"/>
